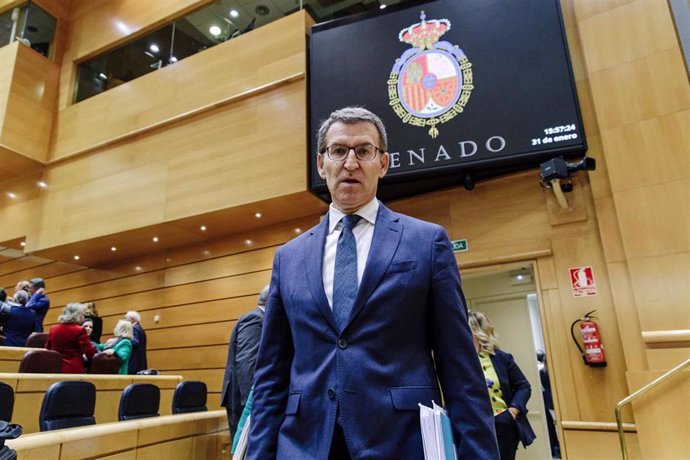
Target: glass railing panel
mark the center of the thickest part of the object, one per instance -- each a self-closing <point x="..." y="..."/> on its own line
<point x="29" y="24"/>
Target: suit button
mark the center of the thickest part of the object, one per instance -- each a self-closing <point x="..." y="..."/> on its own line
<point x="342" y="344"/>
<point x="331" y="393"/>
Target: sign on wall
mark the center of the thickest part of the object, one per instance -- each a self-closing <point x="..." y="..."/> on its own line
<point x="582" y="281"/>
<point x="464" y="86"/>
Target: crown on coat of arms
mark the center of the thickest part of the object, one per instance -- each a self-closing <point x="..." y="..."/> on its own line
<point x="424" y="34"/>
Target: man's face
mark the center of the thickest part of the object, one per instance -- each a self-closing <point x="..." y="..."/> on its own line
<point x="352" y="182"/>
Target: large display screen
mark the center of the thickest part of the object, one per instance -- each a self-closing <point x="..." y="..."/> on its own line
<point x="483" y="87"/>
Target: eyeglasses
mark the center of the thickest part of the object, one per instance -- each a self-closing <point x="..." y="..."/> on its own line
<point x="363" y="152"/>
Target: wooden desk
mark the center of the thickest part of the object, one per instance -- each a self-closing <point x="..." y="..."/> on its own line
<point x="200" y="435"/>
<point x="10" y="357"/>
<point x="30" y="388"/>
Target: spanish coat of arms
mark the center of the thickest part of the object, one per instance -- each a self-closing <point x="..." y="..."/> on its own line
<point x="430" y="83"/>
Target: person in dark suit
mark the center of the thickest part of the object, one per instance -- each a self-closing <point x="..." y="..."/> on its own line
<point x="38" y="302"/>
<point x="137" y="362"/>
<point x="365" y="317"/>
<point x="508" y="388"/>
<point x="239" y="370"/>
<point x="70" y="339"/>
<point x="18" y="321"/>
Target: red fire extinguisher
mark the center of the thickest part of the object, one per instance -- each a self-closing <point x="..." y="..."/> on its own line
<point x="593" y="352"/>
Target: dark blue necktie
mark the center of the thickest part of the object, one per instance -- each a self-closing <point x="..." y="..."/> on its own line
<point x="345" y="274"/>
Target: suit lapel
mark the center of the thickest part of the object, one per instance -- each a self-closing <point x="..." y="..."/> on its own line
<point x="313" y="259"/>
<point x="387" y="234"/>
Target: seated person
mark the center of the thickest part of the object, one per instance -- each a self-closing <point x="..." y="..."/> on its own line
<point x="120" y="345"/>
<point x="17" y="320"/>
<point x="70" y="339"/>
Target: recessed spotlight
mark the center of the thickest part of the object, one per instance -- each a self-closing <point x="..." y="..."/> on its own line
<point x="137" y="268"/>
<point x="154" y="48"/>
<point x="76" y="257"/>
<point x="382" y="6"/>
<point x="22" y="244"/>
<point x="173" y="59"/>
<point x="215" y="30"/>
<point x="102" y="76"/>
<point x="42" y="184"/>
<point x="155" y="239"/>
<point x="207" y="252"/>
<point x="257" y="215"/>
<point x="248" y="242"/>
<point x="168" y="259"/>
<point x="234" y="13"/>
<point x="298" y="230"/>
<point x="113" y="248"/>
<point x="262" y="10"/>
<point x="11" y="195"/>
<point x="202" y="228"/>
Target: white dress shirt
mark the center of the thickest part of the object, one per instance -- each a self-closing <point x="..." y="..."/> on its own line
<point x="363" y="232"/>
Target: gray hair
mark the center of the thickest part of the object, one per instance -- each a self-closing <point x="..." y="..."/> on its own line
<point x="483" y="329"/>
<point x="72" y="313"/>
<point x="263" y="296"/>
<point x="21" y="297"/>
<point x="124" y="329"/>
<point x="349" y="116"/>
<point x="133" y="316"/>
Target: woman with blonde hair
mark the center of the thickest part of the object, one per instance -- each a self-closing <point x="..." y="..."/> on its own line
<point x="508" y="388"/>
<point x="120" y="345"/>
<point x="96" y="321"/>
<point x="70" y="339"/>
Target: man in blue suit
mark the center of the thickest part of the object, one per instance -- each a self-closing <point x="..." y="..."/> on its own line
<point x="352" y="343"/>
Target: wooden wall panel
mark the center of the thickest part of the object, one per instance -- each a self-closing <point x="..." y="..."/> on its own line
<point x="197" y="81"/>
<point x="167" y="175"/>
<point x="599" y="445"/>
<point x="649" y="153"/>
<point x="662" y="415"/>
<point x="620" y="34"/>
<point x="30" y="104"/>
<point x="663" y="227"/>
<point x="662" y="290"/>
<point x="98" y="24"/>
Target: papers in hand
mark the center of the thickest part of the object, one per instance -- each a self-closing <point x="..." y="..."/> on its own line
<point x="437" y="434"/>
<point x="241" y="448"/>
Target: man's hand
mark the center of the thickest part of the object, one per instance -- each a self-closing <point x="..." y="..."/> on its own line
<point x="514" y="412"/>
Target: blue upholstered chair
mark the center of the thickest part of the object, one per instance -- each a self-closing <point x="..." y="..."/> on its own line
<point x="6" y="402"/>
<point x="189" y="396"/>
<point x="68" y="404"/>
<point x="139" y="400"/>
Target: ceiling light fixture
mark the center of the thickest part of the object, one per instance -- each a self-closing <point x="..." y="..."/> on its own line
<point x="102" y="76"/>
<point x="215" y="30"/>
<point x="248" y="242"/>
<point x="202" y="228"/>
<point x="76" y="257"/>
<point x="155" y="239"/>
<point x="154" y="48"/>
<point x="298" y="230"/>
<point x="382" y="6"/>
<point x="11" y="195"/>
<point x="173" y="59"/>
<point x="257" y="215"/>
<point x="137" y="268"/>
<point x="113" y="249"/>
<point x="234" y="13"/>
<point x="22" y="244"/>
<point x="42" y="184"/>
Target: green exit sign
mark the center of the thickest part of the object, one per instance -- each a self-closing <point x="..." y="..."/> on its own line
<point x="459" y="245"/>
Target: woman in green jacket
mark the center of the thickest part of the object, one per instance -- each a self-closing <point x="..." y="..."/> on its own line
<point x="120" y="345"/>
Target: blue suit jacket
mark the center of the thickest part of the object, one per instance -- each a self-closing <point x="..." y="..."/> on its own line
<point x="375" y="371"/>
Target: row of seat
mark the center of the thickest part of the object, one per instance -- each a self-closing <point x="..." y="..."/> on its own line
<point x="50" y="362"/>
<point x="69" y="404"/>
